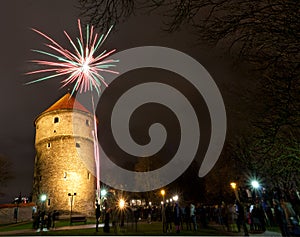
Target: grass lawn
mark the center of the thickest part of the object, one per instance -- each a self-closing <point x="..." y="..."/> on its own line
<point x="142" y="229"/>
<point x="16" y="226"/>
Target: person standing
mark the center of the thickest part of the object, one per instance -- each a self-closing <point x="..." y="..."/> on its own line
<point x="241" y="218"/>
<point x="98" y="214"/>
<point x="187" y="214"/>
<point x="280" y="218"/>
<point x="177" y="217"/>
<point x="169" y="216"/>
<point x="193" y="216"/>
<point x="163" y="217"/>
<point x="106" y="227"/>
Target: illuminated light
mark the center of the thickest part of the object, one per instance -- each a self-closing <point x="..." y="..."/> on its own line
<point x="233" y="185"/>
<point x="175" y="198"/>
<point x="43" y="197"/>
<point x="171" y="199"/>
<point x="255" y="184"/>
<point x="150" y="203"/>
<point x="103" y="193"/>
<point x="163" y="192"/>
<point x="121" y="203"/>
<point x="162" y="203"/>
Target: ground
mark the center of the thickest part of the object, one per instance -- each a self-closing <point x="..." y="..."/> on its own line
<point x="155" y="228"/>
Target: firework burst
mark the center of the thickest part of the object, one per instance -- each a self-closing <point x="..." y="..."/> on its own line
<point x="82" y="67"/>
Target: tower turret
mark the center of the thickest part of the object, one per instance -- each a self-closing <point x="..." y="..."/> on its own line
<point x="64" y="163"/>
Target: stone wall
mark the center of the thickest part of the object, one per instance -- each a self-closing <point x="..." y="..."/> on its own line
<point x="7" y="214"/>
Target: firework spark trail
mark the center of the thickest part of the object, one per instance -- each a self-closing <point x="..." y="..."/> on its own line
<point x="96" y="151"/>
<point x="83" y="67"/>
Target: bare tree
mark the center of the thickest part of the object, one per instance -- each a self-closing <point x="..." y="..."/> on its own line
<point x="278" y="164"/>
<point x="104" y="13"/>
<point x="261" y="33"/>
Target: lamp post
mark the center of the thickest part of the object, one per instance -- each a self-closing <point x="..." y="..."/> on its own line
<point x="255" y="184"/>
<point x="163" y="211"/>
<point x="43" y="198"/>
<point x="234" y="187"/>
<point x="71" y="195"/>
<point x="122" y="206"/>
<point x="103" y="194"/>
<point x="163" y="192"/>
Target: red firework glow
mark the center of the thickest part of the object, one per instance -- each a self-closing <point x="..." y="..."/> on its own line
<point x="82" y="67"/>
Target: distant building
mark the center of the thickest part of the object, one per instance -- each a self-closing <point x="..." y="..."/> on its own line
<point x="64" y="161"/>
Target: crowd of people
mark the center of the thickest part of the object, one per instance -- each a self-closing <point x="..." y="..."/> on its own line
<point x="44" y="220"/>
<point x="240" y="217"/>
<point x="259" y="215"/>
<point x="234" y="217"/>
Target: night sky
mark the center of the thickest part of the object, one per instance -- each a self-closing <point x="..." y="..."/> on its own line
<point x="21" y="104"/>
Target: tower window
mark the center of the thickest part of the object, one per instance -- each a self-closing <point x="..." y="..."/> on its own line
<point x="54" y="131"/>
<point x="48" y="202"/>
<point x="88" y="175"/>
<point x="77" y="145"/>
<point x="87" y="122"/>
<point x="40" y="178"/>
<point x="48" y="145"/>
<point x="56" y="120"/>
<point x="65" y="175"/>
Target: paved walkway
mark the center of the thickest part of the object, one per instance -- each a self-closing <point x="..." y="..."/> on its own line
<point x="221" y="229"/>
<point x="74" y="227"/>
<point x="91" y="226"/>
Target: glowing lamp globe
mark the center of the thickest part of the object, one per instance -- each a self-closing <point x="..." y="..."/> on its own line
<point x="255" y="184"/>
<point x="43" y="197"/>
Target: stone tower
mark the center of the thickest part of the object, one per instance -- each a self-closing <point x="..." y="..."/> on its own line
<point x="64" y="162"/>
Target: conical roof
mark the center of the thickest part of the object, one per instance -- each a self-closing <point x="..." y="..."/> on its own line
<point x="67" y="102"/>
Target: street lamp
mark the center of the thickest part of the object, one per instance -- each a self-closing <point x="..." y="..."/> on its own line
<point x="71" y="195"/>
<point x="122" y="206"/>
<point x="121" y="203"/>
<point x="163" y="192"/>
<point x="43" y="198"/>
<point x="255" y="184"/>
<point x="234" y="187"/>
<point x="103" y="193"/>
<point x="175" y="198"/>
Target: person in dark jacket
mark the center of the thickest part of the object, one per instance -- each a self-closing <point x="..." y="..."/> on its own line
<point x="98" y="214"/>
<point x="241" y="217"/>
<point x="280" y="218"/>
<point x="169" y="217"/>
<point x="177" y="217"/>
